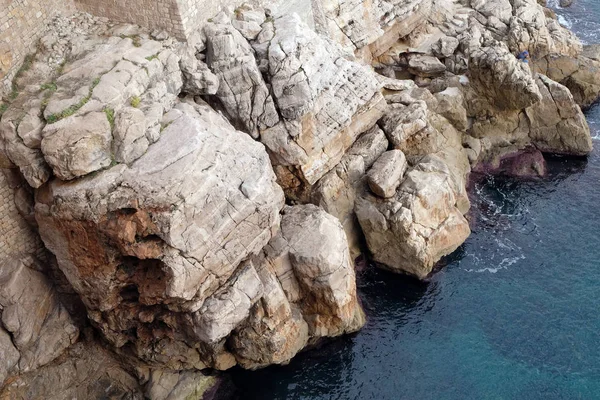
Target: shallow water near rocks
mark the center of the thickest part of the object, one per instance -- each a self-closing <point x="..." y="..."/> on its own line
<point x="514" y="314"/>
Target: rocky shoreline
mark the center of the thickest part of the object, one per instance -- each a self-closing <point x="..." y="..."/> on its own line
<point x="203" y="202"/>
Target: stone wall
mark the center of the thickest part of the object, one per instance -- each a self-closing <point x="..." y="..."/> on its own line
<point x="16" y="236"/>
<point x="22" y="22"/>
<point x="178" y="17"/>
<point x="152" y="14"/>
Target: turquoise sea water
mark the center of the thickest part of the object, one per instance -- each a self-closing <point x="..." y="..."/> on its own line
<point x="515" y="313"/>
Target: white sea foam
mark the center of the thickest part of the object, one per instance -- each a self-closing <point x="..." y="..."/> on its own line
<point x="504" y="264"/>
<point x="565" y="22"/>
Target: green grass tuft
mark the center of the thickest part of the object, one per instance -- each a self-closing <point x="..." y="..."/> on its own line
<point x="135" y="101"/>
<point x="136" y="39"/>
<point x="165" y="126"/>
<point x="3" y="108"/>
<point x="110" y="116"/>
<point x="75" y="107"/>
<point x="49" y="86"/>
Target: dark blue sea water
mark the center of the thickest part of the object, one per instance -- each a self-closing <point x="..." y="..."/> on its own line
<point x="515" y="313"/>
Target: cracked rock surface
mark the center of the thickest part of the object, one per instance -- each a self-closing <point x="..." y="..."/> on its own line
<point x="325" y="101"/>
<point x="173" y="181"/>
<point x="35" y="328"/>
<point x="146" y="245"/>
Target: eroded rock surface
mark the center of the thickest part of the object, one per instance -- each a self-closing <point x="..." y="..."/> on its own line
<point x="325" y="102"/>
<point x="84" y="371"/>
<point x="410" y="232"/>
<point x="166" y="213"/>
<point x="164" y="234"/>
<point x="310" y="290"/>
<point x="69" y="112"/>
<point x="242" y="89"/>
<point x="35" y="327"/>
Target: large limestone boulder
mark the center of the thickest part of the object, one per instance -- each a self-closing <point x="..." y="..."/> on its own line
<point x="506" y="82"/>
<point x="386" y="174"/>
<point x="242" y="90"/>
<point x="410" y="232"/>
<point x="319" y="256"/>
<point x="325" y="102"/>
<point x="88" y="139"/>
<point x="309" y="290"/>
<point x="153" y="248"/>
<point x="62" y="121"/>
<point x="407" y="128"/>
<point x="580" y="74"/>
<point x="338" y="189"/>
<point x="557" y="123"/>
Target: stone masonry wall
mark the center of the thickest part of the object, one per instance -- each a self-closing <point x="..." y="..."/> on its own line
<point x="22" y="22"/>
<point x="16" y="236"/>
<point x="178" y="17"/>
<point x="152" y="14"/>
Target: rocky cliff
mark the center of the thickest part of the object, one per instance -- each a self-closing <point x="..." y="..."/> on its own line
<point x="203" y="202"/>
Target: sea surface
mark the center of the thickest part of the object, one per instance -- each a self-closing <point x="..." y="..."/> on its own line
<point x="514" y="314"/>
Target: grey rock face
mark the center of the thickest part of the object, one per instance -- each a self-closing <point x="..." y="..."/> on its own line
<point x="88" y="139"/>
<point x="557" y="123"/>
<point x="67" y="129"/>
<point x="169" y="227"/>
<point x="321" y="263"/>
<point x="242" y="89"/>
<point x="411" y="231"/>
<point x="9" y="355"/>
<point x="506" y="82"/>
<point x="85" y="371"/>
<point x="39" y="326"/>
<point x="164" y="234"/>
<point x="338" y="189"/>
<point x="408" y="129"/>
<point x="325" y="102"/>
<point x="197" y="77"/>
<point x="309" y="290"/>
<point x="425" y="66"/>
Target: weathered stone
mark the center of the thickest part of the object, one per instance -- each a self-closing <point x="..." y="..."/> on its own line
<point x="129" y="135"/>
<point x="309" y="290"/>
<point x="164" y="234"/>
<point x="557" y="123"/>
<point x="337" y="190"/>
<point x="197" y="77"/>
<point x="322" y="117"/>
<point x="229" y="306"/>
<point x="242" y="90"/>
<point x="320" y="260"/>
<point x="9" y="355"/>
<point x="88" y="139"/>
<point x="445" y="47"/>
<point x="85" y="371"/>
<point x="505" y="81"/>
<point x="450" y="105"/>
<point x="275" y="331"/>
<point x="410" y="232"/>
<point x="407" y="129"/>
<point x="40" y="327"/>
<point x="168" y="385"/>
<point x="386" y="174"/>
<point x="425" y="66"/>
